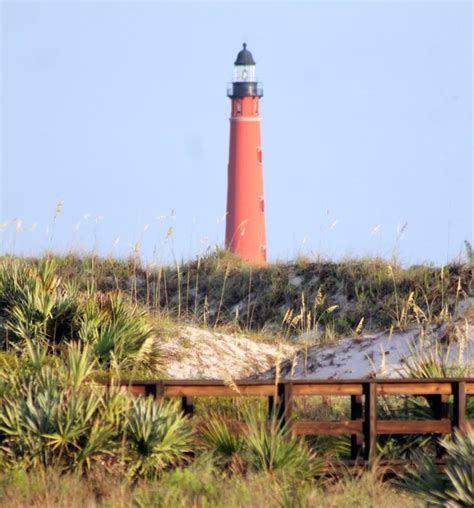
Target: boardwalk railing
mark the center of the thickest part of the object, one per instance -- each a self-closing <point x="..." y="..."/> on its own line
<point x="363" y="425"/>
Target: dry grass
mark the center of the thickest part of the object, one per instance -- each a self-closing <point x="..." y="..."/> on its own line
<point x="336" y="298"/>
<point x="195" y="487"/>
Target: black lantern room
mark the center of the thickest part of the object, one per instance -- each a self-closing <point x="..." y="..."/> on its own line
<point x="245" y="82"/>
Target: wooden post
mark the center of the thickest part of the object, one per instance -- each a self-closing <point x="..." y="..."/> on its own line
<point x="440" y="406"/>
<point x="288" y="405"/>
<point x="459" y="406"/>
<point x="159" y="391"/>
<point x="370" y="423"/>
<point x="356" y="414"/>
<point x="187" y="405"/>
<point x="283" y="407"/>
<point x="278" y="404"/>
<point x="271" y="406"/>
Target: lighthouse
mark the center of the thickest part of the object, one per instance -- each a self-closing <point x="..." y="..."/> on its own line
<point x="245" y="218"/>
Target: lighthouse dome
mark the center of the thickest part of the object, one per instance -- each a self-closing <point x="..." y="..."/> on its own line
<point x="244" y="57"/>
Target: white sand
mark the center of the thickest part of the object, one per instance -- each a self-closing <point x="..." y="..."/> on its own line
<point x="194" y="353"/>
<point x="380" y="355"/>
<point x="203" y="354"/>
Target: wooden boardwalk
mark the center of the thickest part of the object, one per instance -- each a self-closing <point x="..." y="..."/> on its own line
<point x="363" y="425"/>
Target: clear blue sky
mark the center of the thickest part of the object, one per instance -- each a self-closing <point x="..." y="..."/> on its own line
<point x="120" y="109"/>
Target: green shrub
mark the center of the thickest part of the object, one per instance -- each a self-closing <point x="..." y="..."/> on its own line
<point x="454" y="487"/>
<point x="34" y="304"/>
<point x="225" y="444"/>
<point x="265" y="447"/>
<point x="56" y="416"/>
<point x="271" y="448"/>
<point x="47" y="418"/>
<point x="159" y="436"/>
<point x="119" y="332"/>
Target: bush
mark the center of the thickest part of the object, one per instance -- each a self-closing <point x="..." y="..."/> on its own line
<point x="263" y="447"/>
<point x="272" y="449"/>
<point x="119" y="333"/>
<point x="47" y="419"/>
<point x="56" y="416"/>
<point x="159" y="436"/>
<point x="454" y="488"/>
<point x="36" y="305"/>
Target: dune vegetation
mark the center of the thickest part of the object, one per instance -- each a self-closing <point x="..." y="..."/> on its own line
<point x="65" y="440"/>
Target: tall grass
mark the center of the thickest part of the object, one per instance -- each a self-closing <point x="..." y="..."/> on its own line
<point x="195" y="486"/>
<point x="220" y="290"/>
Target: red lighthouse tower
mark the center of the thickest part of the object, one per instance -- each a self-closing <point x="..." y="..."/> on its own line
<point x="245" y="225"/>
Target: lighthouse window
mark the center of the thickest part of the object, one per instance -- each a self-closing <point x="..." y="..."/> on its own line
<point x="259" y="155"/>
<point x="238" y="107"/>
<point x="255" y="106"/>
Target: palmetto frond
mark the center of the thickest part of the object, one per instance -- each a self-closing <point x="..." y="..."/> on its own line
<point x="271" y="448"/>
<point x="120" y="334"/>
<point x="158" y="436"/>
<point x="454" y="488"/>
<point x="218" y="437"/>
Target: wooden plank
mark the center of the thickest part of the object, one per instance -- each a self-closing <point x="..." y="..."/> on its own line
<point x="420" y="380"/>
<point x="295" y="382"/>
<point x="178" y="388"/>
<point x="327" y="381"/>
<point x="469" y="387"/>
<point x="410" y="388"/>
<point x="333" y="388"/>
<point x="413" y="426"/>
<point x="327" y="428"/>
<point x="235" y="425"/>
<point x="459" y="406"/>
<point x="370" y="423"/>
<point x="357" y="410"/>
<point x="136" y="390"/>
<point x="217" y="390"/>
<point x="141" y="390"/>
<point x="213" y="382"/>
<point x="217" y="382"/>
<point x="131" y="382"/>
